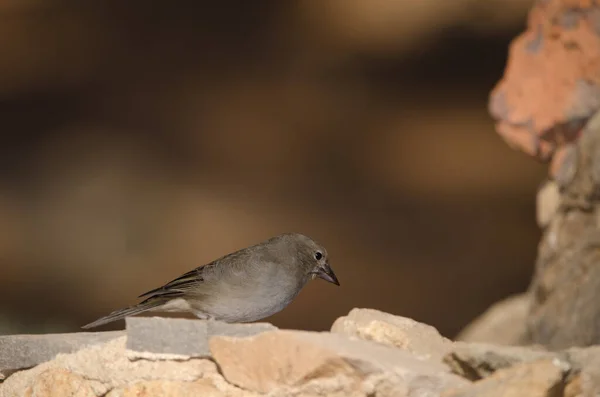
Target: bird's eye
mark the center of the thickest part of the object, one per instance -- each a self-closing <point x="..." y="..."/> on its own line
<point x="318" y="256"/>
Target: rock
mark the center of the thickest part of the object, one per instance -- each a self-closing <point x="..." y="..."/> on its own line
<point x="586" y="364"/>
<point x="59" y="383"/>
<point x="176" y="338"/>
<point x="404" y="333"/>
<point x="504" y="323"/>
<point x="155" y="388"/>
<point x="549" y="90"/>
<point x="401" y="332"/>
<point x="106" y="367"/>
<point x="566" y="284"/>
<point x="25" y="351"/>
<point x="476" y="361"/>
<point x="298" y="361"/>
<point x="370" y="354"/>
<point x="548" y="199"/>
<point x="541" y="378"/>
<point x="548" y="105"/>
<point x="566" y="166"/>
<point x="573" y="388"/>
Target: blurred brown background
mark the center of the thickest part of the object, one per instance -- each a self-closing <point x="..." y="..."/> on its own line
<point x="141" y="140"/>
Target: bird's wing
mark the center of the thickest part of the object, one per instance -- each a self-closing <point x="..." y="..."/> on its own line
<point x="180" y="285"/>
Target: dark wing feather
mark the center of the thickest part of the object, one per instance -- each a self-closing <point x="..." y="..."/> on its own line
<point x="178" y="286"/>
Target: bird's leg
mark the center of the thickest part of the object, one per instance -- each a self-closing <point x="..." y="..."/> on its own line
<point x="203" y="316"/>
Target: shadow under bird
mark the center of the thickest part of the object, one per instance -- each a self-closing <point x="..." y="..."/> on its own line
<point x="244" y="286"/>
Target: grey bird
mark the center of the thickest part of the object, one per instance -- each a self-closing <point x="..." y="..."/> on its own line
<point x="244" y="286"/>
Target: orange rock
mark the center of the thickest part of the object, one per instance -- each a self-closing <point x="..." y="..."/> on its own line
<point x="551" y="84"/>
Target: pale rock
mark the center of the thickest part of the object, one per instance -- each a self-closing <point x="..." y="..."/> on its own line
<point x="586" y="363"/>
<point x="475" y="361"/>
<point x="58" y="382"/>
<point x="574" y="388"/>
<point x="167" y="388"/>
<point x="107" y="367"/>
<point x="542" y="378"/>
<point x="300" y="361"/>
<point x="400" y="332"/>
<point x="548" y="200"/>
<point x="503" y="323"/>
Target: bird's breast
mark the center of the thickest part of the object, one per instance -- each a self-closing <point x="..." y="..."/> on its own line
<point x="251" y="297"/>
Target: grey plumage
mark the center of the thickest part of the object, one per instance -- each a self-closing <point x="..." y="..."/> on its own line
<point x="244" y="286"/>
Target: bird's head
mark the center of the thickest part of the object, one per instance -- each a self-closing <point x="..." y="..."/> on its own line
<point x="313" y="258"/>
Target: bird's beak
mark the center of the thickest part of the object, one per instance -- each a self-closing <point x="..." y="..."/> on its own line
<point x="327" y="274"/>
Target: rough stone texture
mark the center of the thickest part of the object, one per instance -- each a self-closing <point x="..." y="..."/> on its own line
<point x="106" y="367"/>
<point x="303" y="360"/>
<point x="551" y="84"/>
<point x="154" y="388"/>
<point x="157" y="337"/>
<point x="25" y="351"/>
<point x="565" y="289"/>
<point x="573" y="388"/>
<point x="504" y="323"/>
<point x="586" y="363"/>
<point x="476" y="361"/>
<point x="401" y="332"/>
<point x="282" y="363"/>
<point x="542" y="378"/>
<point x="59" y="383"/>
<point x="547" y="105"/>
<point x="547" y="202"/>
<point x="480" y="361"/>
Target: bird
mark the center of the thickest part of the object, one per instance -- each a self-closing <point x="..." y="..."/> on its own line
<point x="244" y="286"/>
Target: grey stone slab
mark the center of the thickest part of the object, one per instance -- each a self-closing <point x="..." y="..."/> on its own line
<point x="25" y="351"/>
<point x="177" y="338"/>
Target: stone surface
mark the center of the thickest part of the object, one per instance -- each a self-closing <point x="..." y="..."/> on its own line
<point x="401" y="332"/>
<point x="547" y="202"/>
<point x="573" y="388"/>
<point x="503" y="323"/>
<point x="282" y="363"/>
<point x="542" y="378"/>
<point x="565" y="289"/>
<point x="59" y="383"/>
<point x="550" y="86"/>
<point x="154" y="388"/>
<point x="297" y="360"/>
<point x="106" y="367"/>
<point x="160" y="338"/>
<point x="476" y="361"/>
<point x="25" y="351"/>
<point x="586" y="363"/>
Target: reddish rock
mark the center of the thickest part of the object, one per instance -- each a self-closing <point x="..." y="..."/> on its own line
<point x="551" y="84"/>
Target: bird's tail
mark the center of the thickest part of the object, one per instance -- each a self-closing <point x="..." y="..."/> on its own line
<point x="128" y="311"/>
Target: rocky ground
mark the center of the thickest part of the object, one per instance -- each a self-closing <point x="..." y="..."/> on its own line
<point x="366" y="353"/>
